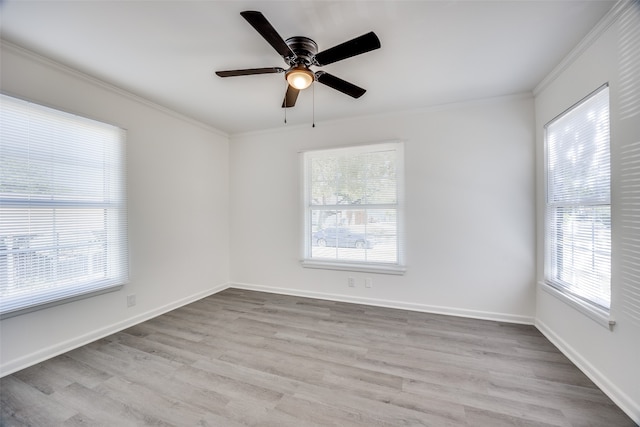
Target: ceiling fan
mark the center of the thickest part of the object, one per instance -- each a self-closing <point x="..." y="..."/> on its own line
<point x="300" y="53"/>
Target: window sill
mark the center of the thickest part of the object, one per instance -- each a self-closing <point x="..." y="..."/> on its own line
<point x="51" y="301"/>
<point x="364" y="268"/>
<point x="601" y="317"/>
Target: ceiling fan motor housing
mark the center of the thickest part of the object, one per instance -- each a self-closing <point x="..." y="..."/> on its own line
<point x="304" y="48"/>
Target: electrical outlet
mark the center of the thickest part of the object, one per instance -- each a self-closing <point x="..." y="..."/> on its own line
<point x="131" y="300"/>
<point x="351" y="282"/>
<point x="368" y="282"/>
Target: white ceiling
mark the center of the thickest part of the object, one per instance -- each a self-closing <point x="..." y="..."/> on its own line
<point x="433" y="52"/>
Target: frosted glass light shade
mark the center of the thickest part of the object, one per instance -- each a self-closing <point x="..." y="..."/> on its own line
<point x="300" y="78"/>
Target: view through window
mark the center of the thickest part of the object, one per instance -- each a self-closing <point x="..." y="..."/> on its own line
<point x="578" y="211"/>
<point x="352" y="204"/>
<point x="63" y="225"/>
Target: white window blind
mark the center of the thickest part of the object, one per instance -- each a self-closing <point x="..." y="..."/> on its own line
<point x="353" y="207"/>
<point x="578" y="208"/>
<point x="629" y="214"/>
<point x="63" y="217"/>
<point x="627" y="163"/>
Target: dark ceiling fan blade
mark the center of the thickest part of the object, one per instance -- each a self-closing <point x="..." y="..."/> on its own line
<point x="249" y="71"/>
<point x="266" y="30"/>
<point x="364" y="43"/>
<point x="339" y="84"/>
<point x="290" y="97"/>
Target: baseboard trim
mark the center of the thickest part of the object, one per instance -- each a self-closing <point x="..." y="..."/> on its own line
<point x="449" y="311"/>
<point x="624" y="402"/>
<point x="60" y="348"/>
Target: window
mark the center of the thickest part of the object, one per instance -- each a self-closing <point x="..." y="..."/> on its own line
<point x="353" y="208"/>
<point x="63" y="218"/>
<point x="578" y="208"/>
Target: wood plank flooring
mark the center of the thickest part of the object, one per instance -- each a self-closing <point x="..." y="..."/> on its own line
<point x="242" y="358"/>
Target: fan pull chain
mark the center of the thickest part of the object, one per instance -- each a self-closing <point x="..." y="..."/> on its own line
<point x="313" y="103"/>
<point x="286" y="89"/>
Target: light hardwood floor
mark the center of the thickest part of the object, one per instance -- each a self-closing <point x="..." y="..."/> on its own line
<point x="242" y="358"/>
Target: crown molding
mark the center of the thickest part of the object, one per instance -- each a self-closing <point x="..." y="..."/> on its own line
<point x="19" y="50"/>
<point x="389" y="114"/>
<point x="596" y="32"/>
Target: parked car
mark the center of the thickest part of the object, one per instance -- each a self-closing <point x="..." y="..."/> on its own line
<point x="342" y="237"/>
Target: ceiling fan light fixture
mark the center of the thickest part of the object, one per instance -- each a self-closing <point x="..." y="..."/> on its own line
<point x="300" y="77"/>
<point x="300" y="53"/>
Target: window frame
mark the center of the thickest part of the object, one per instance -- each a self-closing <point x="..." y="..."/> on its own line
<point x="553" y="285"/>
<point x="109" y="264"/>
<point x="307" y="261"/>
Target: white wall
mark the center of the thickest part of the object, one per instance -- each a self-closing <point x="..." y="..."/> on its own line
<point x="609" y="357"/>
<point x="469" y="219"/>
<point x="178" y="211"/>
